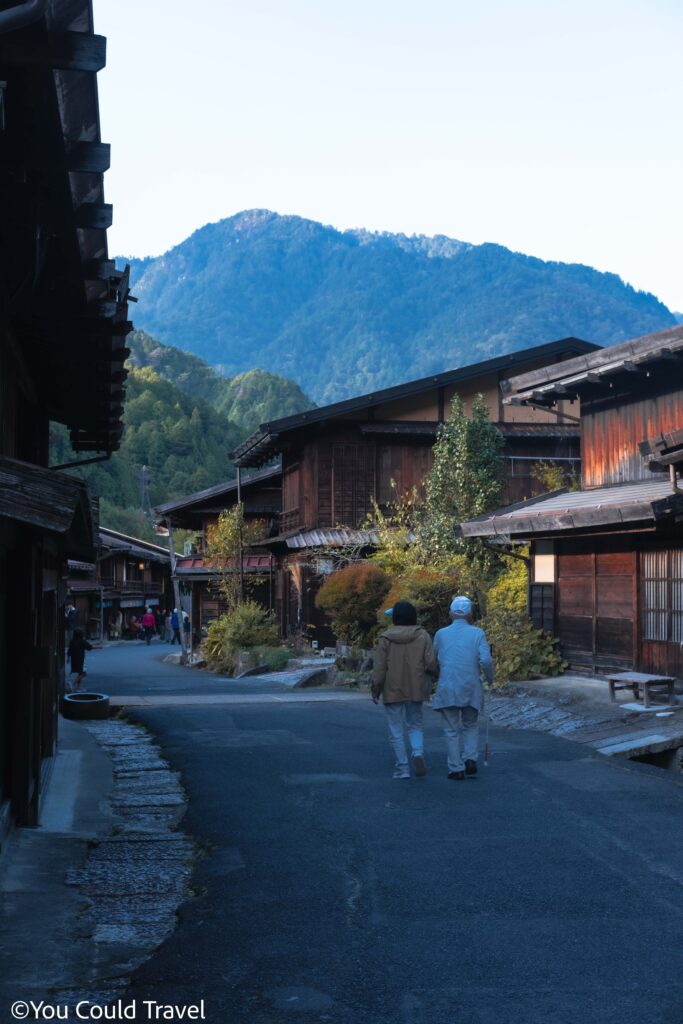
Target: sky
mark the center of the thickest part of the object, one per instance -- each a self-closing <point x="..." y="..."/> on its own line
<point x="552" y="127"/>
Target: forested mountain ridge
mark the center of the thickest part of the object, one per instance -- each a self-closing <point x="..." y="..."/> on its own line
<point x="248" y="399"/>
<point x="343" y="313"/>
<point x="181" y="421"/>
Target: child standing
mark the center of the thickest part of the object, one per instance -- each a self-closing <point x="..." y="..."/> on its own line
<point x="76" y="655"/>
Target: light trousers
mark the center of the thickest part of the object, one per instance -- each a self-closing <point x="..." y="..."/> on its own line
<point x="408" y="713"/>
<point x="461" y="726"/>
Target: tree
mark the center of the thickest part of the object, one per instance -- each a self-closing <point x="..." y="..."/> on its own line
<point x="465" y="480"/>
<point x="226" y="542"/>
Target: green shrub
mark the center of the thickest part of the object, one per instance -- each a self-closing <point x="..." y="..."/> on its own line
<point x="351" y="597"/>
<point x="519" y="650"/>
<point x="244" y="628"/>
<point x="276" y="658"/>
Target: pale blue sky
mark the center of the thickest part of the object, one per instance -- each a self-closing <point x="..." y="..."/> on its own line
<point x="553" y="127"/>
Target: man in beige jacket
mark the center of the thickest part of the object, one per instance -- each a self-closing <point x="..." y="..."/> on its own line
<point x="404" y="664"/>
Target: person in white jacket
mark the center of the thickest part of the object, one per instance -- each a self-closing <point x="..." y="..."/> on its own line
<point x="463" y="654"/>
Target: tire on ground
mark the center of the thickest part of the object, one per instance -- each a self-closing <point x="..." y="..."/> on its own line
<point x="81" y="706"/>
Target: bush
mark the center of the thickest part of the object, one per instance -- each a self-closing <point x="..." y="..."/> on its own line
<point x="351" y="597"/>
<point x="243" y="628"/>
<point x="276" y="658"/>
<point x="431" y="590"/>
<point x="519" y="650"/>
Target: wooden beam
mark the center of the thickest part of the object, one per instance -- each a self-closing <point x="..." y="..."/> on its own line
<point x="89" y="157"/>
<point x="94" y="215"/>
<point x="98" y="270"/>
<point x="62" y="51"/>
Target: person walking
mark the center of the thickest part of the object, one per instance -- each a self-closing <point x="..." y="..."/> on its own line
<point x="175" y="626"/>
<point x="463" y="654"/>
<point x="403" y="664"/>
<point x="149" y="625"/>
<point x="187" y="631"/>
<point x="76" y="655"/>
<point x="168" y="628"/>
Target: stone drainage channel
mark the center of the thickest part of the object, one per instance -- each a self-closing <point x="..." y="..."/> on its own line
<point x="133" y="881"/>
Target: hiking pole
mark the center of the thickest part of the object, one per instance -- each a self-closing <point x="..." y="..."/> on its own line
<point x="486" y="742"/>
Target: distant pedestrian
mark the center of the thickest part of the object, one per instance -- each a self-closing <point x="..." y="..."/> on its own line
<point x="149" y="625"/>
<point x="404" y="663"/>
<point x="168" y="628"/>
<point x="70" y="620"/>
<point x="175" y="626"/>
<point x="76" y="655"/>
<point x="187" y="631"/>
<point x="463" y="654"/>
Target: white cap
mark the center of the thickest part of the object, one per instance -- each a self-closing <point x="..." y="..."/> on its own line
<point x="461" y="607"/>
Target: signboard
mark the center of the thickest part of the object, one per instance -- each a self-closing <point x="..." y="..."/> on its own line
<point x="103" y="604"/>
<point x="131" y="602"/>
<point x="151" y="601"/>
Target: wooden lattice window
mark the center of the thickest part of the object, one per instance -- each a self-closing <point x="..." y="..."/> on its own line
<point x="662" y="595"/>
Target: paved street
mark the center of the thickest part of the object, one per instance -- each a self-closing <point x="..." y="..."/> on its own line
<point x="548" y="890"/>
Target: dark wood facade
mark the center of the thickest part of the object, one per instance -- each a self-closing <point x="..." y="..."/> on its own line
<point x="128" y="576"/>
<point x="261" y="495"/>
<point x="338" y="460"/>
<point x="607" y="562"/>
<point x="63" y="323"/>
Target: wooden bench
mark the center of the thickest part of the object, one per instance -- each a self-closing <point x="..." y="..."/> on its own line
<point x="634" y="681"/>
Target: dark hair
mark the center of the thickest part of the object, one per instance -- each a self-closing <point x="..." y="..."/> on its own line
<point x="78" y="633"/>
<point x="404" y="614"/>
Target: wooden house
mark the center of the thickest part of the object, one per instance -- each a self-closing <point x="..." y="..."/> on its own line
<point x="63" y="323"/>
<point x="261" y="495"/>
<point x="128" y="576"/>
<point x="338" y="459"/>
<point x="607" y="561"/>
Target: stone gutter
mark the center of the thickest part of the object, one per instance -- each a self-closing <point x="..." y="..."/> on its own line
<point x="134" y="880"/>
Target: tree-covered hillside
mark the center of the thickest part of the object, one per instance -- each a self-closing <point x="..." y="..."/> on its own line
<point x="248" y="399"/>
<point x="183" y="442"/>
<point x="182" y="419"/>
<point x="343" y="313"/>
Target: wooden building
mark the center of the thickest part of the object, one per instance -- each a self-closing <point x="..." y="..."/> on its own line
<point x="261" y="495"/>
<point x="63" y="323"/>
<point x="607" y="560"/>
<point x="338" y="459"/>
<point x="128" y="576"/>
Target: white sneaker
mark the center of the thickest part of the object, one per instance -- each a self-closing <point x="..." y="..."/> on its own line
<point x="401" y="773"/>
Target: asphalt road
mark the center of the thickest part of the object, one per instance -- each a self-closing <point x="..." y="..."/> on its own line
<point x="547" y="891"/>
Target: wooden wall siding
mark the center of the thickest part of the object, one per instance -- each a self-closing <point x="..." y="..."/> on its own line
<point x="420" y="408"/>
<point x="407" y="465"/>
<point x="291" y="497"/>
<point x="353" y="483"/>
<point x="596" y="602"/>
<point x="611" y="435"/>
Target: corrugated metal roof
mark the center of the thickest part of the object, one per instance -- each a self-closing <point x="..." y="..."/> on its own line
<point x="332" y="539"/>
<point x="196" y="565"/>
<point x="566" y="510"/>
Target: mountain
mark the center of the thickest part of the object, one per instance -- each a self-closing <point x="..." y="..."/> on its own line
<point x="248" y="399"/>
<point x="346" y="312"/>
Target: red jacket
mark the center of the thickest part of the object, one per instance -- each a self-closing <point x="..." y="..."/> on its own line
<point x="148" y="621"/>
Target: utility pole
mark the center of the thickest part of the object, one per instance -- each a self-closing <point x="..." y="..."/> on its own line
<point x="241" y="539"/>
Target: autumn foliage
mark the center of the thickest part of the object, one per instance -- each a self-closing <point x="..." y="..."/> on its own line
<point x="351" y="597"/>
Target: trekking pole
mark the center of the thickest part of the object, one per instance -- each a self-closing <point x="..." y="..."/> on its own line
<point x="486" y="742"/>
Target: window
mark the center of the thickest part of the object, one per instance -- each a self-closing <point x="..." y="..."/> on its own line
<point x="662" y="595"/>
